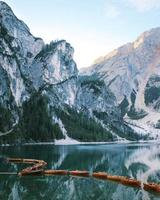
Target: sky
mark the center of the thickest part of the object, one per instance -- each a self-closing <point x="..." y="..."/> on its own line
<point x="92" y="27"/>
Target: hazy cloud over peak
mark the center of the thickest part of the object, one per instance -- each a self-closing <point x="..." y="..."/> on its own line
<point x="145" y="5"/>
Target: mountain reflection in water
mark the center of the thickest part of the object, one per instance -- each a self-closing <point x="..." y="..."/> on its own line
<point x="141" y="161"/>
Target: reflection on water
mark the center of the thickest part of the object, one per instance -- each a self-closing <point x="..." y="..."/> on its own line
<point x="147" y="161"/>
<point x="138" y="161"/>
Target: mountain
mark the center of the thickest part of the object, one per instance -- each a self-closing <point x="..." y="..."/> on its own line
<point x="44" y="98"/>
<point x="132" y="73"/>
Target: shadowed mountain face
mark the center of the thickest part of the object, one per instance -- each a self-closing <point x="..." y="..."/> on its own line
<point x="44" y="98"/>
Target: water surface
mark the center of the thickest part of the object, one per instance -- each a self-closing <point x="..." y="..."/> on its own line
<point x="141" y="161"/>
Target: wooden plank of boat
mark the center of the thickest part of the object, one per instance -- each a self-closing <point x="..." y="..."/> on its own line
<point x="130" y="182"/>
<point x="114" y="178"/>
<point x="31" y="173"/>
<point x="79" y="173"/>
<point x="15" y="160"/>
<point x="151" y="187"/>
<point x="34" y="167"/>
<point x="100" y="175"/>
<point x="29" y="161"/>
<point x="56" y="172"/>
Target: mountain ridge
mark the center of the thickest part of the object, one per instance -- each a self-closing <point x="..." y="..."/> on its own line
<point x="127" y="71"/>
<point x="43" y="97"/>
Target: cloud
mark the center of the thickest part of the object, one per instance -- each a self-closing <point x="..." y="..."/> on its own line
<point x="144" y="5"/>
<point x="112" y="11"/>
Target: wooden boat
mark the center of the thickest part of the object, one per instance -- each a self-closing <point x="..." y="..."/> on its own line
<point x="38" y="169"/>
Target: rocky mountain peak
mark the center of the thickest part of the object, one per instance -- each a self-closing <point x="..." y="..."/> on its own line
<point x="53" y="64"/>
<point x="19" y="34"/>
<point x="128" y="71"/>
<point x="148" y="39"/>
<point x="4" y="8"/>
<point x="134" y="61"/>
<point x="10" y="21"/>
<point x="64" y="46"/>
<point x="151" y="37"/>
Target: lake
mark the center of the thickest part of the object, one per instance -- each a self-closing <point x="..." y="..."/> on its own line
<point x="141" y="161"/>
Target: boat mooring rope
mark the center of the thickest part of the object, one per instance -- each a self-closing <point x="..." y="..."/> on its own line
<point x="39" y="165"/>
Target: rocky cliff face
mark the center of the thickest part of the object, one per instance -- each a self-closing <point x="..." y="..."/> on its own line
<point x="18" y="49"/>
<point x="132" y="72"/>
<point x="43" y="97"/>
<point x="152" y="92"/>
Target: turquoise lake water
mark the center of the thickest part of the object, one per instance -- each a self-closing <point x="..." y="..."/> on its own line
<point x="141" y="161"/>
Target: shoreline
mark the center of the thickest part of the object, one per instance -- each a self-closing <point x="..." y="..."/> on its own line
<point x="84" y="143"/>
